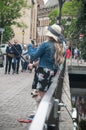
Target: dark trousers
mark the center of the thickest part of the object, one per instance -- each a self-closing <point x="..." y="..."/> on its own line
<point x="8" y="64"/>
<point x="24" y="65"/>
<point x="15" y="64"/>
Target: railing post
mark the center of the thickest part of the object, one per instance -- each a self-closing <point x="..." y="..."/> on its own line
<point x="56" y="102"/>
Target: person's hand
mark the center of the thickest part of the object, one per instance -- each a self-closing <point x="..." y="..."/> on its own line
<point x="35" y="63"/>
<point x="30" y="66"/>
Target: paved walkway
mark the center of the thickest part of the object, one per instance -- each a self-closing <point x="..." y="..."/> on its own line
<point x="15" y="99"/>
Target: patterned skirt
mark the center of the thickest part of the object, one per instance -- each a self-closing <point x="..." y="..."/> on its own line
<point x="42" y="79"/>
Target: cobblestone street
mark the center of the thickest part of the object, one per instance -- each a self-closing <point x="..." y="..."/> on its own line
<point x="15" y="99"/>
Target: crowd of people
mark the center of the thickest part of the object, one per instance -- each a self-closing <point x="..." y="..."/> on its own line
<point x="13" y="56"/>
<point x="74" y="54"/>
<point x="17" y="57"/>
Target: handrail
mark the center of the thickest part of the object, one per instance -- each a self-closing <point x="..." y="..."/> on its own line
<point x="45" y="106"/>
<point x="40" y="117"/>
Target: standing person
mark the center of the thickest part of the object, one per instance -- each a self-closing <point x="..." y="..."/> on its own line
<point x="17" y="51"/>
<point x="68" y="54"/>
<point x="9" y="56"/>
<point x="75" y="53"/>
<point x="50" y="54"/>
<point x="25" y="61"/>
<point x="34" y="48"/>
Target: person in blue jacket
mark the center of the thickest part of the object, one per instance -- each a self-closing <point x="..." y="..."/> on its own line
<point x="34" y="62"/>
<point x="50" y="54"/>
<point x="9" y="56"/>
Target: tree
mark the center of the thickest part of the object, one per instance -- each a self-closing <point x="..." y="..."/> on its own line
<point x="69" y="9"/>
<point x="53" y="16"/>
<point x="81" y="29"/>
<point x="76" y="9"/>
<point x="10" y="10"/>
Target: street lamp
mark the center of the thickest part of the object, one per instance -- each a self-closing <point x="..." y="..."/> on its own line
<point x="68" y="21"/>
<point x="60" y="10"/>
<point x="23" y="32"/>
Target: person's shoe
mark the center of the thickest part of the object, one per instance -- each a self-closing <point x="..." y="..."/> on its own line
<point x="17" y="72"/>
<point x="8" y="72"/>
<point x="13" y="72"/>
<point x="30" y="71"/>
<point x="30" y="118"/>
<point x="34" y="93"/>
<point x="5" y="73"/>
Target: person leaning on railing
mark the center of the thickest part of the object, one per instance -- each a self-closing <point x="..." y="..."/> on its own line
<point x="50" y="54"/>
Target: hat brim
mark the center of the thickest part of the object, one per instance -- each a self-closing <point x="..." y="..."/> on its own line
<point x="49" y="34"/>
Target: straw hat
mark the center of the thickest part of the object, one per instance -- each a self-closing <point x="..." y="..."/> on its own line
<point x="54" y="31"/>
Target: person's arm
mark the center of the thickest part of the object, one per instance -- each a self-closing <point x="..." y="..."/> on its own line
<point x="25" y="53"/>
<point x="20" y="49"/>
<point x="39" y="51"/>
<point x="7" y="51"/>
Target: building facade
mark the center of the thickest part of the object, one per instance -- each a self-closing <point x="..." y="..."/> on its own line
<point x="24" y="34"/>
<point x="35" y="20"/>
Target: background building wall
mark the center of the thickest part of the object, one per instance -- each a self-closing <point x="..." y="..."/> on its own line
<point x="26" y="19"/>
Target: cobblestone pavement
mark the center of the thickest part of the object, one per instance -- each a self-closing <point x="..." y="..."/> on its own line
<point x="15" y="99"/>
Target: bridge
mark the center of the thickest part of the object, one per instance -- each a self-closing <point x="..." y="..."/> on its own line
<point x="56" y="104"/>
<point x="55" y="111"/>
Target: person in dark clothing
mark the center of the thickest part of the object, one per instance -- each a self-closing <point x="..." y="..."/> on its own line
<point x="17" y="51"/>
<point x="9" y="56"/>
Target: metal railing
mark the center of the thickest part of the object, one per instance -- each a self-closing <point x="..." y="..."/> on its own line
<point x="47" y="113"/>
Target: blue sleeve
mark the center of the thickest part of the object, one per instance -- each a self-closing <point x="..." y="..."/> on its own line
<point x="35" y="54"/>
<point x="7" y="50"/>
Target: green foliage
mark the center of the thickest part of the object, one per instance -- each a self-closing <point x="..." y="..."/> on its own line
<point x="10" y="10"/>
<point x="22" y="25"/>
<point x="81" y="29"/>
<point x="71" y="8"/>
<point x="9" y="33"/>
<point x="76" y="10"/>
<point x="69" y="30"/>
<point x="53" y="16"/>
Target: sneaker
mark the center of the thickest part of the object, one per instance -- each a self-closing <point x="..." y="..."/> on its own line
<point x="13" y="72"/>
<point x="17" y="72"/>
<point x="34" y="93"/>
<point x="31" y="117"/>
<point x="30" y="71"/>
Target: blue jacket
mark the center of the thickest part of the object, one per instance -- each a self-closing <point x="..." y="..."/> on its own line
<point x="9" y="50"/>
<point x="45" y="52"/>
